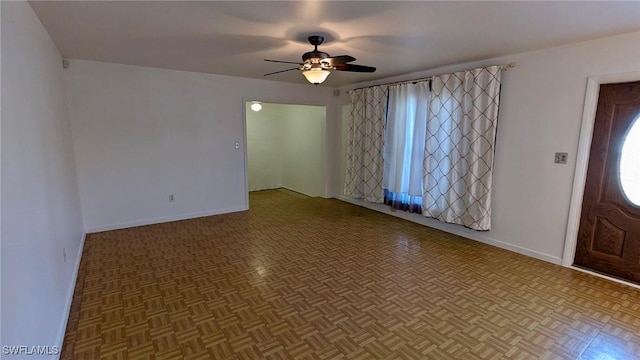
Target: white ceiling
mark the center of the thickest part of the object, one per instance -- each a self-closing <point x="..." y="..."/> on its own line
<point x="397" y="37"/>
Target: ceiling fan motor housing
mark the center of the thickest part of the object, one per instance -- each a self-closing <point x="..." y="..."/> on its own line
<point x="315" y="56"/>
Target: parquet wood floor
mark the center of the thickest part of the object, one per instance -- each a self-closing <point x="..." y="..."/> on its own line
<point x="310" y="278"/>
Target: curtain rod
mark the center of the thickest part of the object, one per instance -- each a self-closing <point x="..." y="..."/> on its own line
<point x="503" y="67"/>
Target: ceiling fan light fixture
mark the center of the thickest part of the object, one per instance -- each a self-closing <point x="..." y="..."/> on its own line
<point x="316" y="75"/>
<point x="316" y="64"/>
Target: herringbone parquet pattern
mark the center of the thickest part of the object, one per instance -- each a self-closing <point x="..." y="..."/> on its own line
<point x="308" y="278"/>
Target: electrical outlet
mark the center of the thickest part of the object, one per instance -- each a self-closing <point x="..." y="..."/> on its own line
<point x="172" y="198"/>
<point x="64" y="254"/>
<point x="561" y="158"/>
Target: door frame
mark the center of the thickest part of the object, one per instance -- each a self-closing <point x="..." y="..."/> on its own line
<point x="327" y="128"/>
<point x="582" y="161"/>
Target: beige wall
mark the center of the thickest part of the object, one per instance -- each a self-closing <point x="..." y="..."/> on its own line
<point x="264" y="147"/>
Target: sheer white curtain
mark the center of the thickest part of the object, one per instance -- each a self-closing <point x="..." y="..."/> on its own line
<point x="365" y="141"/>
<point x="459" y="147"/>
<point x="404" y="145"/>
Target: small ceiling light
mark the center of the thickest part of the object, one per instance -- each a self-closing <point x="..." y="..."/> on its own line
<point x="256" y="106"/>
<point x="316" y="75"/>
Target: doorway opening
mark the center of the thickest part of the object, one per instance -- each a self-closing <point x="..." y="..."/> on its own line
<point x="286" y="147"/>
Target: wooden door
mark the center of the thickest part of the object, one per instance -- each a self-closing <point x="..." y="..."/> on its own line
<point x="609" y="233"/>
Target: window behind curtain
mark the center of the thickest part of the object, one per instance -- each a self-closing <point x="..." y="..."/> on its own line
<point x="405" y="133"/>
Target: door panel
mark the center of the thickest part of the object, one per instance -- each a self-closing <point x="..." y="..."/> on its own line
<point x="609" y="233"/>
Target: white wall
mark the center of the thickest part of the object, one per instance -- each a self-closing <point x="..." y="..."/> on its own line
<point x="40" y="203"/>
<point x="286" y="148"/>
<point x="540" y="114"/>
<point x="303" y="151"/>
<point x="141" y="134"/>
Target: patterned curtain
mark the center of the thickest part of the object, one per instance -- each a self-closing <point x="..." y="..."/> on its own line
<point x="364" y="144"/>
<point x="459" y="148"/>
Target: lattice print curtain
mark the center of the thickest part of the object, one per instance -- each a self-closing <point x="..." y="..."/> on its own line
<point x="364" y="164"/>
<point x="459" y="148"/>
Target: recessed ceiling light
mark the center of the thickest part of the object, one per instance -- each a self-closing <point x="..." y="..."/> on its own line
<point x="256" y="106"/>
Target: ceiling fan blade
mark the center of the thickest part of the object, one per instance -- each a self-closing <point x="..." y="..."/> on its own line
<point x="354" y="68"/>
<point x="340" y="59"/>
<point x="284" y="62"/>
<point x="281" y="71"/>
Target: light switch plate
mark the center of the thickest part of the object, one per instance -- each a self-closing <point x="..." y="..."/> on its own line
<point x="561" y="158"/>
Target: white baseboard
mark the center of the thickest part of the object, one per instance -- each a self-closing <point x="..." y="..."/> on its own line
<point x="164" y="219"/>
<point x="452" y="229"/>
<point x="67" y="308"/>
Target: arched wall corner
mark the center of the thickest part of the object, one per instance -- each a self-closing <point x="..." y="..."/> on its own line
<point x="582" y="159"/>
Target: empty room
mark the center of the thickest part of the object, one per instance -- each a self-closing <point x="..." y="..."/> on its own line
<point x="320" y="180"/>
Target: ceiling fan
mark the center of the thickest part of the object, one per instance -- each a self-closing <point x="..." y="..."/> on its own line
<point x="316" y="65"/>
